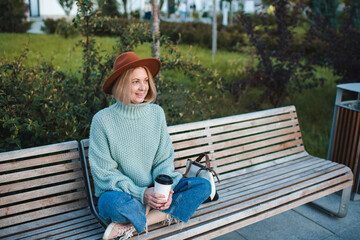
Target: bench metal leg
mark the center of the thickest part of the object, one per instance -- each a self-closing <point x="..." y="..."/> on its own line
<point x="343" y="207"/>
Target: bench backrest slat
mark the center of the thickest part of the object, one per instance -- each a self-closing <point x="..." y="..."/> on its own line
<point x="40" y="182"/>
<point x="239" y="141"/>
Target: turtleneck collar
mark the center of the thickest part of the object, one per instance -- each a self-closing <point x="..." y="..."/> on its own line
<point x="132" y="111"/>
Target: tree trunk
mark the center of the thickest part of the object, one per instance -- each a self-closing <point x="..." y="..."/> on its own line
<point x="155" y="29"/>
<point x="214" y="31"/>
<point x="125" y="7"/>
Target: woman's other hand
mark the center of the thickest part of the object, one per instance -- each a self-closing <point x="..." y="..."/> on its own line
<point x="156" y="200"/>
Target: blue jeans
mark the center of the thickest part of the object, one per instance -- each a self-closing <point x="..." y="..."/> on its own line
<point x="121" y="207"/>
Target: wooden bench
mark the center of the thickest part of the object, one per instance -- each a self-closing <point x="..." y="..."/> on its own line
<point x="263" y="167"/>
<point x="42" y="195"/>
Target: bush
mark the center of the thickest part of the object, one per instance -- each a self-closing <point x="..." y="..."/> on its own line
<point x="108" y="8"/>
<point x="50" y="25"/>
<point x="66" y="29"/>
<point x="12" y="16"/>
<point x="197" y="33"/>
<point x="60" y="27"/>
<point x="38" y="106"/>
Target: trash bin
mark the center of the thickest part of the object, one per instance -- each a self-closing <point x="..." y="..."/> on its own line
<point x="344" y="144"/>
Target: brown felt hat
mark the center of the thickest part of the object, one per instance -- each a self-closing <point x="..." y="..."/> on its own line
<point x="127" y="61"/>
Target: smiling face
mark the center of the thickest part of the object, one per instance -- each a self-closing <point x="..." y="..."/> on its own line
<point x="139" y="85"/>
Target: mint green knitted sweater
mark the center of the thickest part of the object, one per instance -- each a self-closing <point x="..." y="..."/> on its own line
<point x="129" y="147"/>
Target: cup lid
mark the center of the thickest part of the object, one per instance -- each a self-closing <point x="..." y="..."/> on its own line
<point x="164" y="179"/>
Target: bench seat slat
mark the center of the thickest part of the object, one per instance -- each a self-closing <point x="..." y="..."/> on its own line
<point x="95" y="234"/>
<point x="46" y="224"/>
<point x="273" y="173"/>
<point x="228" y="214"/>
<point x="70" y="231"/>
<point x="227" y="120"/>
<point x="263" y="187"/>
<point x="49" y="228"/>
<point x="267" y="210"/>
<point x="242" y="193"/>
<point x="37" y="151"/>
<point x="43" y="213"/>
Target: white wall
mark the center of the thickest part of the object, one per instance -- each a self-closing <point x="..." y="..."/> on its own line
<point x="52" y="9"/>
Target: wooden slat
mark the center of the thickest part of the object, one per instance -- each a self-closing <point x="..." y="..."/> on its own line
<point x="43" y="182"/>
<point x="267" y="165"/>
<point x="235" y="126"/>
<point x="69" y="231"/>
<point x="247" y="141"/>
<point x="276" y="199"/>
<point x="37" y="151"/>
<point x="261" y="159"/>
<point x="4" y="178"/>
<point x="236" y="134"/>
<point x="40" y="192"/>
<point x="42" y="213"/>
<point x="260" y="175"/>
<point x="11" y="166"/>
<point x="47" y="202"/>
<point x="256" y="218"/>
<point x="37" y="226"/>
<point x="231" y="119"/>
<point x="32" y="233"/>
<point x="97" y="233"/>
<point x="236" y="194"/>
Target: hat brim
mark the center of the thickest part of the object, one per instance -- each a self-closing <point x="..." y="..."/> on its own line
<point x="153" y="64"/>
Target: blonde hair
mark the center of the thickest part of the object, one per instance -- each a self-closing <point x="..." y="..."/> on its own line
<point x="121" y="88"/>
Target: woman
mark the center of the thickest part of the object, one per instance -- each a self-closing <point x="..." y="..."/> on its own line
<point x="129" y="147"/>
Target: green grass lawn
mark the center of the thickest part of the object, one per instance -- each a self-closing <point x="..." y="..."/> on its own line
<point x="315" y="106"/>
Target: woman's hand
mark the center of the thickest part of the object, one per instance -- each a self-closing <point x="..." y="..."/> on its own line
<point x="156" y="200"/>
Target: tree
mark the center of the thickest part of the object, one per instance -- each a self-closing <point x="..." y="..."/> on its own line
<point x="109" y="8"/>
<point x="125" y="7"/>
<point x="155" y="29"/>
<point x="214" y="31"/>
<point x="280" y="70"/>
<point x="326" y="9"/>
<point x="66" y="5"/>
<point x="12" y="16"/>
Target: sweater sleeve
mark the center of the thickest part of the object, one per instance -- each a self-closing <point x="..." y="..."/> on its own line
<point x="104" y="169"/>
<point x="164" y="159"/>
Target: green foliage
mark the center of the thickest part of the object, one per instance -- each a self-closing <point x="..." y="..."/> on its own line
<point x="180" y="102"/>
<point x="280" y="71"/>
<point x="43" y="104"/>
<point x="50" y="25"/>
<point x="66" y="29"/>
<point x="12" y="16"/>
<point x="339" y="48"/>
<point x="200" y="34"/>
<point x="37" y="106"/>
<point x="66" y="5"/>
<point x="109" y="8"/>
<point x="326" y="9"/>
<point x="59" y="26"/>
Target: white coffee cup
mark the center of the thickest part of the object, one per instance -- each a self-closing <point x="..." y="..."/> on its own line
<point x="163" y="185"/>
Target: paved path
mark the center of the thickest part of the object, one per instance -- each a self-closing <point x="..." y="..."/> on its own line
<point x="304" y="223"/>
<point x="36" y="26"/>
